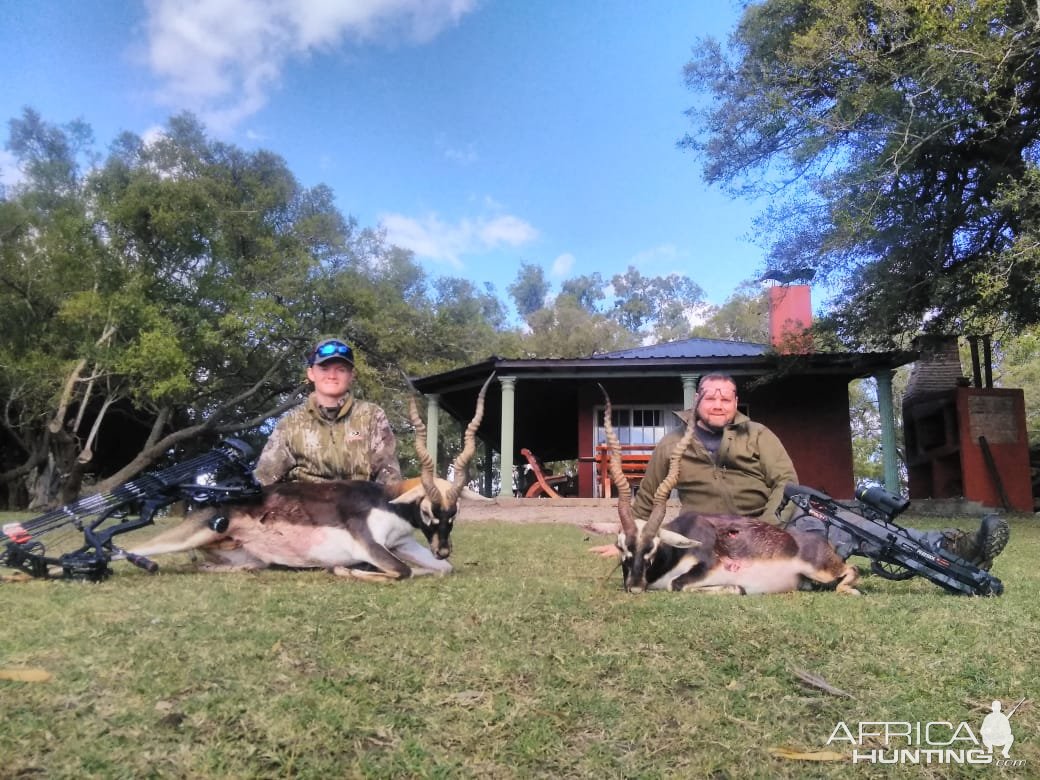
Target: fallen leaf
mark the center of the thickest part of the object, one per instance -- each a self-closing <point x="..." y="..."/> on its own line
<point x="801" y="755"/>
<point x="818" y="682"/>
<point x="25" y="675"/>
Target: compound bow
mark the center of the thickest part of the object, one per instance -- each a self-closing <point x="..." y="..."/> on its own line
<point x="127" y="507"/>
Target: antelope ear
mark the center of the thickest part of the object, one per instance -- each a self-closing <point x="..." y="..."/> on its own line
<point x="672" y="539"/>
<point x="473" y="495"/>
<point x="410" y="496"/>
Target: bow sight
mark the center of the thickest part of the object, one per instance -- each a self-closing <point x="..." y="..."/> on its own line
<point x="129" y="506"/>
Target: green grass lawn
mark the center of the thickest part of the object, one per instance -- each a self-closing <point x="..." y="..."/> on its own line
<point x="530" y="661"/>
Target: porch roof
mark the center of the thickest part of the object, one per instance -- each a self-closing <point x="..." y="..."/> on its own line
<point x="547" y="389"/>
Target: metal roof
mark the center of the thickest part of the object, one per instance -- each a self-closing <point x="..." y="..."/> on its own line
<point x="695" y="356"/>
<point x="548" y="391"/>
<point x="691" y="348"/>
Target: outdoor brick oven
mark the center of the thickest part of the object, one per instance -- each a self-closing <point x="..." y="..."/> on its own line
<point x="963" y="439"/>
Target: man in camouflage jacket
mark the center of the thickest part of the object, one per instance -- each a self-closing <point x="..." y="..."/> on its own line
<point x="333" y="435"/>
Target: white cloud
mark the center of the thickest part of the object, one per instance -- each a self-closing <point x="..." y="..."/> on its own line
<point x="662" y="253"/>
<point x="460" y="155"/>
<point x="505" y="229"/>
<point x="434" y="239"/>
<point x="153" y="134"/>
<point x="562" y="265"/>
<point x="221" y="58"/>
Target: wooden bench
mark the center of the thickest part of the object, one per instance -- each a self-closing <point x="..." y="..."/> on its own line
<point x="634" y="459"/>
<point x="544" y="483"/>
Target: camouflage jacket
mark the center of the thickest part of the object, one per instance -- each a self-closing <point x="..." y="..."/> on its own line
<point x="748" y="477"/>
<point x="306" y="445"/>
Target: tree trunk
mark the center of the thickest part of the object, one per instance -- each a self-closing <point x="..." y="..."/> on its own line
<point x="59" y="477"/>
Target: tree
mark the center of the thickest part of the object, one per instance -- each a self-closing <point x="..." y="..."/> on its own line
<point x="743" y="317"/>
<point x="168" y="297"/>
<point x="900" y="141"/>
<point x="1018" y="365"/>
<point x="567" y="330"/>
<point x="662" y="303"/>
<point x="587" y="291"/>
<point x="530" y="289"/>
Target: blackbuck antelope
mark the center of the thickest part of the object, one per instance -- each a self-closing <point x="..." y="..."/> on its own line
<point x="714" y="553"/>
<point x="354" y="528"/>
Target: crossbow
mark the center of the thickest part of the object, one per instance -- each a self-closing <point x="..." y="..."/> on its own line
<point x="894" y="554"/>
<point x="219" y="476"/>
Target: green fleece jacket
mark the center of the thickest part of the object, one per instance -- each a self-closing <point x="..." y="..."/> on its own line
<point x="748" y="478"/>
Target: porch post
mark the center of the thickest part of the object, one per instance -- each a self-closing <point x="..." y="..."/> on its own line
<point x="433" y="408"/>
<point x="888" y="429"/>
<point x="508" y="411"/>
<point x="689" y="389"/>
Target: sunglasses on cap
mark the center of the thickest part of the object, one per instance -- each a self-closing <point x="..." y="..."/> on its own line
<point x="328" y="350"/>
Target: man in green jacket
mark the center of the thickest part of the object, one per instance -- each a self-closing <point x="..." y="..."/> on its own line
<point x="333" y="435"/>
<point x="735" y="466"/>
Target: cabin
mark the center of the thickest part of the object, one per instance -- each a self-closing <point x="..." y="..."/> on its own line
<point x="554" y="408"/>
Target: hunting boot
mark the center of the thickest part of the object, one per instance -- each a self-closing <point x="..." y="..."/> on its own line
<point x="981" y="547"/>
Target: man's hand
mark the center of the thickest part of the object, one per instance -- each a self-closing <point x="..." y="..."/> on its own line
<point x="605" y="550"/>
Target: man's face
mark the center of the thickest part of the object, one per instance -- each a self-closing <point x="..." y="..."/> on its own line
<point x="332" y="380"/>
<point x="717" y="404"/>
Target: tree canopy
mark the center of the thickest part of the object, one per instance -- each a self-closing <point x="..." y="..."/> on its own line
<point x="592" y="316"/>
<point x="898" y="142"/>
<point x="166" y="295"/>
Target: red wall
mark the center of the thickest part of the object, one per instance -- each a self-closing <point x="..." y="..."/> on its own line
<point x="811" y="417"/>
<point x="1000" y="416"/>
<point x="790" y="315"/>
<point x="945" y="458"/>
<point x="809" y="414"/>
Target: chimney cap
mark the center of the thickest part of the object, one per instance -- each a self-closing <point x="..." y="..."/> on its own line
<point x="795" y="275"/>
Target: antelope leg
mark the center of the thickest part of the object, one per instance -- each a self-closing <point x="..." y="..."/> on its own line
<point x="422" y="560"/>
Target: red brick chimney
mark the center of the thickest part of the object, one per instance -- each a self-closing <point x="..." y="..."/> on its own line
<point x="790" y="317"/>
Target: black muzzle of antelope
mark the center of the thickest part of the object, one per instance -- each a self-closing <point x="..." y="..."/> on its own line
<point x="440" y="536"/>
<point x="636" y="558"/>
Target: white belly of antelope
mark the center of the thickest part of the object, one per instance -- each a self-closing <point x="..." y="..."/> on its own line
<point x="754" y="576"/>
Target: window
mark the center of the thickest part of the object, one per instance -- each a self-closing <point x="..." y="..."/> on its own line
<point x="642" y="425"/>
<point x="638" y="429"/>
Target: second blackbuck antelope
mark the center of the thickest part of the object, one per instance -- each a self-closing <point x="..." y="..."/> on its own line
<point x="353" y="528"/>
<point x="714" y="553"/>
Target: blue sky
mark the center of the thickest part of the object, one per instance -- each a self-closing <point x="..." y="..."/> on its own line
<point x="479" y="133"/>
